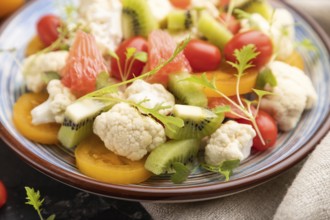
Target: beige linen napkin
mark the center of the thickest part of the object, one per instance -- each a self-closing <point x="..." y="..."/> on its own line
<point x="306" y="196"/>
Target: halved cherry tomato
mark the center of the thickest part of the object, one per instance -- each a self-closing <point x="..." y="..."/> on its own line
<point x="230" y="22"/>
<point x="3" y="194"/>
<point x="221" y="101"/>
<point x="183" y="4"/>
<point x="261" y="41"/>
<point x="226" y="81"/>
<point x="95" y="160"/>
<point x="268" y="129"/>
<point x="202" y="55"/>
<point x="47" y="28"/>
<point x="141" y="45"/>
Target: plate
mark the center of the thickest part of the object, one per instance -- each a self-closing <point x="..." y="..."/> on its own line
<point x="58" y="162"/>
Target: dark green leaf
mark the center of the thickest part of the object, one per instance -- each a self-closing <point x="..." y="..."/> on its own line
<point x="181" y="173"/>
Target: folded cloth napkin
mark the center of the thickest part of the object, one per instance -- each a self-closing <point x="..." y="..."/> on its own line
<point x="303" y="192"/>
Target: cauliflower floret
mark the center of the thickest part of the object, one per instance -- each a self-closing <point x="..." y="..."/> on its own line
<point x="35" y="66"/>
<point x="52" y="110"/>
<point x="103" y="19"/>
<point x="231" y="141"/>
<point x="294" y="93"/>
<point x="126" y="132"/>
<point x="152" y="94"/>
<point x="280" y="30"/>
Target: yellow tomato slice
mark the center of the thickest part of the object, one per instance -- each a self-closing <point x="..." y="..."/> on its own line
<point x="43" y="133"/>
<point x="295" y="59"/>
<point x="9" y="6"/>
<point x="95" y="160"/>
<point x="35" y="45"/>
<point x="226" y="80"/>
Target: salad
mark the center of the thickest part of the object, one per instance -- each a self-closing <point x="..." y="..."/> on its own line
<point x="144" y="87"/>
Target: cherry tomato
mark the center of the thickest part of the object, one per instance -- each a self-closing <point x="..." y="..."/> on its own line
<point x="261" y="41"/>
<point x="268" y="129"/>
<point x="3" y="194"/>
<point x="141" y="45"/>
<point x="47" y="28"/>
<point x="230" y="22"/>
<point x="183" y="4"/>
<point x="220" y="101"/>
<point x="202" y="55"/>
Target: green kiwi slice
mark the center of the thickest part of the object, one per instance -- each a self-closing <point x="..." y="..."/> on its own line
<point x="78" y="121"/>
<point x="137" y="18"/>
<point x="160" y="160"/>
<point x="261" y="7"/>
<point x="214" y="31"/>
<point x="180" y="20"/>
<point x="186" y="92"/>
<point x="198" y="122"/>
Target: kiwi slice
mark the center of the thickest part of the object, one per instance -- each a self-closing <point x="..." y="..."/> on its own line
<point x="78" y="120"/>
<point x="160" y="160"/>
<point x="186" y="92"/>
<point x="198" y="122"/>
<point x="261" y="7"/>
<point x="214" y="31"/>
<point x="137" y="18"/>
<point x="180" y="20"/>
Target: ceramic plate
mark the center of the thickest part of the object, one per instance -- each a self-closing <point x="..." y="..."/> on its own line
<point x="58" y="162"/>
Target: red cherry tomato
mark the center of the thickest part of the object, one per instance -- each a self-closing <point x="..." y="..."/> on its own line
<point x="47" y="28"/>
<point x="230" y="22"/>
<point x="183" y="4"/>
<point x="220" y="101"/>
<point x="268" y="129"/>
<point x="202" y="56"/>
<point x="261" y="41"/>
<point x="141" y="45"/>
<point x="3" y="194"/>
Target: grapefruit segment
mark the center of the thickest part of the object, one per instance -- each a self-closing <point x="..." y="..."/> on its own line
<point x="161" y="48"/>
<point x="83" y="65"/>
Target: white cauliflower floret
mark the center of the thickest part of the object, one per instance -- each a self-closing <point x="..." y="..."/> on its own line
<point x="52" y="110"/>
<point x="232" y="141"/>
<point x="127" y="133"/>
<point x="103" y="19"/>
<point x="151" y="94"/>
<point x="294" y="93"/>
<point x="35" y="66"/>
<point x="280" y="30"/>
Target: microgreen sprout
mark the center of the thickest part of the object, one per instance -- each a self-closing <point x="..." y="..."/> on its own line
<point x="33" y="199"/>
<point x="226" y="168"/>
<point x="244" y="56"/>
<point x="131" y="56"/>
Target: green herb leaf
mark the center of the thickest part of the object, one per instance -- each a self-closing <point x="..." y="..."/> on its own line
<point x="240" y="14"/>
<point x="102" y="80"/>
<point x="141" y="56"/>
<point x="225" y="169"/>
<point x="221" y="109"/>
<point x="261" y="93"/>
<point x="130" y="52"/>
<point x="33" y="198"/>
<point x="244" y="56"/>
<point x="266" y="77"/>
<point x="113" y="55"/>
<point x="181" y="173"/>
<point x="52" y="217"/>
<point x="50" y="75"/>
<point x="203" y="80"/>
<point x="307" y="44"/>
